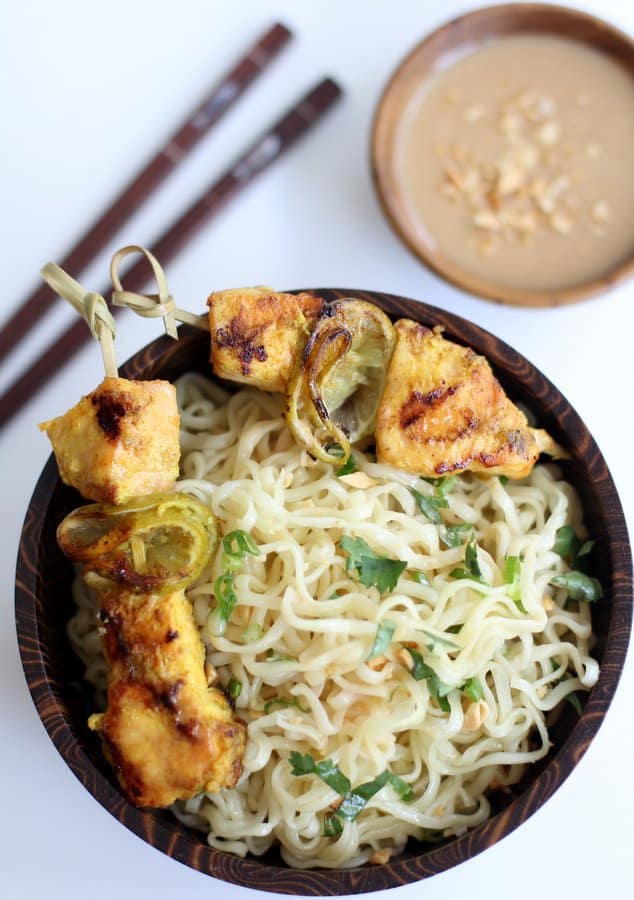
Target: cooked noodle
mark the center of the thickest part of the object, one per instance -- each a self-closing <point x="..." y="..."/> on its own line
<point x="303" y="629"/>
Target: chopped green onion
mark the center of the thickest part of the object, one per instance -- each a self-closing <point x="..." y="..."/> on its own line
<point x="253" y="632"/>
<point x="234" y="688"/>
<point x="473" y="689"/>
<point x="335" y="450"/>
<point x="284" y="702"/>
<point x="236" y="546"/>
<point x="224" y="590"/>
<point x="272" y="656"/>
<point x="347" y="468"/>
<point x="511" y="576"/>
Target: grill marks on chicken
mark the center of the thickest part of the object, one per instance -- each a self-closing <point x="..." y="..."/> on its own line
<point x="167" y="734"/>
<point x="256" y="334"/>
<point x="443" y="410"/>
<point x="108" y="445"/>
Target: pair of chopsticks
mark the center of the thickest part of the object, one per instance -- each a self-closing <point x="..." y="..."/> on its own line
<point x="268" y="148"/>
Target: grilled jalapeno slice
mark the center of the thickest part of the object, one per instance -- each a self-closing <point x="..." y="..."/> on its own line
<point x="154" y="543"/>
<point x="334" y="392"/>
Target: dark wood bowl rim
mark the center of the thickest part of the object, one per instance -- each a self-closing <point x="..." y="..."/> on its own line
<point x="183" y="844"/>
<point x="381" y="167"/>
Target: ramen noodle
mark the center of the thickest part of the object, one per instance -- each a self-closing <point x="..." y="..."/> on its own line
<point x="436" y="688"/>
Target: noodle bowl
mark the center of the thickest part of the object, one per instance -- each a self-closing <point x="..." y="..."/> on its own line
<point x="299" y="643"/>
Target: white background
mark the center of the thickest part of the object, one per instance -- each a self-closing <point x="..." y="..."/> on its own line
<point x="89" y="92"/>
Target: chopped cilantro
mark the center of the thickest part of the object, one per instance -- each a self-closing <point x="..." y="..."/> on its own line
<point x="443" y="485"/>
<point x="354" y="800"/>
<point x="471" y="568"/>
<point x="436" y="639"/>
<point x="455" y="535"/>
<point x="569" y="547"/>
<point x="579" y="586"/>
<point x="383" y="638"/>
<point x="332" y="825"/>
<point x="420" y="578"/>
<point x="422" y="672"/>
<point x="304" y="764"/>
<point x="373" y="570"/>
<point x="429" y="506"/>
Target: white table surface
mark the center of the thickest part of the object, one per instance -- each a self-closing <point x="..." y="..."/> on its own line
<point x="89" y="90"/>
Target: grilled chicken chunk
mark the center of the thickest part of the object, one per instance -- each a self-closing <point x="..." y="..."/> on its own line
<point x="256" y="334"/>
<point x="166" y="733"/>
<point x="120" y="441"/>
<point x="443" y="410"/>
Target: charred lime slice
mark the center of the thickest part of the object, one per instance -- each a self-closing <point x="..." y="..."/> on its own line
<point x="334" y="392"/>
<point x="154" y="543"/>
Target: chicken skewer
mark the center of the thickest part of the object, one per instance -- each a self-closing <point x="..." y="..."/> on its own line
<point x="437" y="407"/>
<point x="348" y="373"/>
<point x="167" y="734"/>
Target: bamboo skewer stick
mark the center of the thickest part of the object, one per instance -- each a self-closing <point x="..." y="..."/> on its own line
<point x="270" y="147"/>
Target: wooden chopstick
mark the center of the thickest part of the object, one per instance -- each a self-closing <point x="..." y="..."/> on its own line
<point x="269" y="147"/>
<point x="230" y="87"/>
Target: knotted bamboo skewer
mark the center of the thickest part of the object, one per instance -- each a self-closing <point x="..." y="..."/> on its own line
<point x="93" y="308"/>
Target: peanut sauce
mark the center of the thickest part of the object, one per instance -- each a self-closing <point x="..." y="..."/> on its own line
<point x="517" y="162"/>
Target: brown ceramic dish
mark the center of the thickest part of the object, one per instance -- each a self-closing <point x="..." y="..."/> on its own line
<point x="54" y="675"/>
<point x="439" y="50"/>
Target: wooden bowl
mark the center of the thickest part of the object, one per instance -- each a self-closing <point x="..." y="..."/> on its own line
<point x="54" y="675"/>
<point x="438" y="51"/>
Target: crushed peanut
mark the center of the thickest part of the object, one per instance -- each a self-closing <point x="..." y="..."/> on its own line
<point x="560" y="223"/>
<point x="358" y="480"/>
<point x="601" y="212"/>
<point x="474" y="113"/>
<point x="527" y="189"/>
<point x="380" y="857"/>
<point x="475" y="715"/>
<point x="405" y="658"/>
<point x="377" y="663"/>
